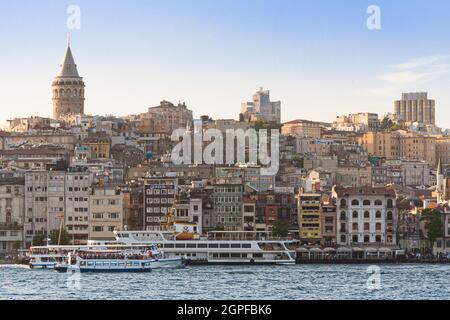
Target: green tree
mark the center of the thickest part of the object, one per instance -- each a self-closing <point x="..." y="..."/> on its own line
<point x="386" y="123"/>
<point x="39" y="240"/>
<point x="280" y="228"/>
<point x="266" y="125"/>
<point x="54" y="236"/>
<point x="433" y="224"/>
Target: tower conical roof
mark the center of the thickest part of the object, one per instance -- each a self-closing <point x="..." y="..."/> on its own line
<point x="68" y="67"/>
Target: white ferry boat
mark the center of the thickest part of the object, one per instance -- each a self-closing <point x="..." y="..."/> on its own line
<point x="218" y="247"/>
<point x="50" y="256"/>
<point x="47" y="257"/>
<point x="105" y="261"/>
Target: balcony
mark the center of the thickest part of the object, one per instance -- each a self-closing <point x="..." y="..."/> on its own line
<point x="10" y="226"/>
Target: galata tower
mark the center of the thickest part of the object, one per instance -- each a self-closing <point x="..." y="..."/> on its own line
<point x="68" y="89"/>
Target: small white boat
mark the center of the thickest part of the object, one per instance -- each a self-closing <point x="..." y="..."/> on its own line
<point x="118" y="261"/>
<point x="80" y="262"/>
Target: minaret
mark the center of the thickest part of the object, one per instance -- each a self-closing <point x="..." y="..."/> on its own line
<point x="440" y="184"/>
<point x="68" y="89"/>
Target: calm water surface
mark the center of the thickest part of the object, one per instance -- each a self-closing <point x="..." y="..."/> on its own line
<point x="232" y="282"/>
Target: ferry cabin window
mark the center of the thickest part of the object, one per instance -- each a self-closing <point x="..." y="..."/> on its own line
<point x="213" y="246"/>
<point x="202" y="246"/>
<point x="224" y="255"/>
<point x="169" y="245"/>
<point x="235" y="255"/>
<point x="235" y="246"/>
<point x="224" y="246"/>
<point x="246" y="245"/>
<point x="257" y="255"/>
<point x="180" y="245"/>
<point x="191" y="245"/>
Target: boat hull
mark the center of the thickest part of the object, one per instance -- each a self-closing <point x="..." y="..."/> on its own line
<point x="42" y="266"/>
<point x="173" y="263"/>
<point x="95" y="270"/>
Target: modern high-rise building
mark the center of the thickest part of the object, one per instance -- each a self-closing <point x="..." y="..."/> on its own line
<point x="68" y="89"/>
<point x="415" y="107"/>
<point x="261" y="108"/>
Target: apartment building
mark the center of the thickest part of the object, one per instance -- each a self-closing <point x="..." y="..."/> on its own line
<point x="55" y="197"/>
<point x="159" y="197"/>
<point x="328" y="224"/>
<point x="12" y="191"/>
<point x="190" y="211"/>
<point x="99" y="146"/>
<point x="416" y="107"/>
<point x="310" y="217"/>
<point x="106" y="212"/>
<point x="365" y="216"/>
<point x="400" y="144"/>
<point x="250" y="175"/>
<point x="302" y="128"/>
<point x="228" y="206"/>
<point x="165" y="118"/>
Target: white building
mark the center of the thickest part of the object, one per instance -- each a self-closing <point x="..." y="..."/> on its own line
<point x="11" y="212"/>
<point x="261" y="108"/>
<point x="365" y="216"/>
<point x="55" y="197"/>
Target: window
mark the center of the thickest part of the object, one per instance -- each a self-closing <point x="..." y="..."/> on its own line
<point x="378" y="226"/>
<point x="366" y="203"/>
<point x="378" y="203"/>
<point x="355" y="214"/>
<point x="355" y="227"/>
<point x="343" y="238"/>
<point x="343" y="203"/>
<point x="389" y="203"/>
<point x="343" y="215"/>
<point x="355" y="202"/>
<point x="366" y="214"/>
<point x="366" y="239"/>
<point x="389" y="215"/>
<point x="378" y="215"/>
<point x="366" y="226"/>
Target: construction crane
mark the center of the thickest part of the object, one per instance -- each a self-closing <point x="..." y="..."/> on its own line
<point x="170" y="217"/>
<point x="61" y="223"/>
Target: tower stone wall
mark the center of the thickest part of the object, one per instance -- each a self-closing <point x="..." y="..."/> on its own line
<point x="68" y="89"/>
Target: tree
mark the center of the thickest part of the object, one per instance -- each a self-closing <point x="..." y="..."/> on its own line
<point x="386" y="123"/>
<point x="281" y="228"/>
<point x="54" y="237"/>
<point x="433" y="224"/>
<point x="39" y="240"/>
<point x="259" y="125"/>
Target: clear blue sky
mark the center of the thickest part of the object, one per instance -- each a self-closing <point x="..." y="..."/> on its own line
<point x="316" y="56"/>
